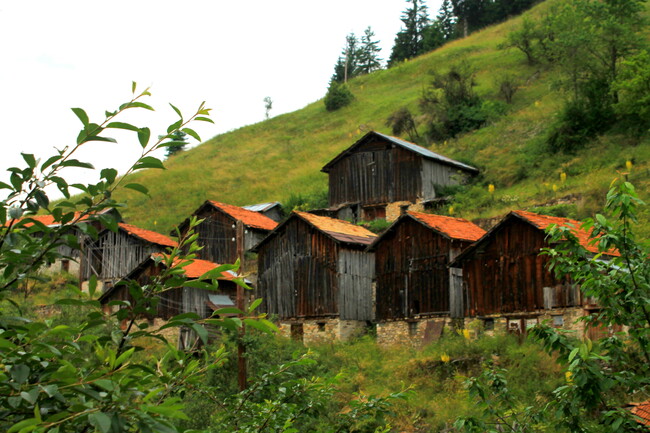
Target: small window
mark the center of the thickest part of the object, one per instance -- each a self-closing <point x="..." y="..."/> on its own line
<point x="488" y="324"/>
<point x="531" y="322"/>
<point x="321" y="326"/>
<point x="413" y="328"/>
<point x="558" y="321"/>
<point x="297" y="332"/>
<point x="403" y="209"/>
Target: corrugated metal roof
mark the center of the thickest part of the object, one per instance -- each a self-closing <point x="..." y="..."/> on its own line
<point x="426" y="152"/>
<point x="340" y="230"/>
<point x="248" y="217"/>
<point x="406" y="145"/>
<point x="543" y="221"/>
<point x="148" y="235"/>
<point x="262" y="207"/>
<point x="455" y="228"/>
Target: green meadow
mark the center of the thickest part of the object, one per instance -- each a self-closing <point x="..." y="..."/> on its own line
<point x="282" y="157"/>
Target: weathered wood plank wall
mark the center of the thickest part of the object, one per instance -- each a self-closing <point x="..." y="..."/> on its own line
<point x="508" y="274"/>
<point x="376" y="172"/>
<point x="411" y="272"/>
<point x="113" y="255"/>
<point x="355" y="273"/>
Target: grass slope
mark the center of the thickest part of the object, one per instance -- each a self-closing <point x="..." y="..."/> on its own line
<point x="282" y="156"/>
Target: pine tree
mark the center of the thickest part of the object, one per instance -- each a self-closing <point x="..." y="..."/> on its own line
<point x="368" y="58"/>
<point x="347" y="66"/>
<point x="177" y="143"/>
<point x="409" y="41"/>
<point x="447" y="20"/>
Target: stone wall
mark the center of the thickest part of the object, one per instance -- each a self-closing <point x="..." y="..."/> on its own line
<point x="394" y="210"/>
<point x="560" y="318"/>
<point x="410" y="333"/>
<point x="322" y="330"/>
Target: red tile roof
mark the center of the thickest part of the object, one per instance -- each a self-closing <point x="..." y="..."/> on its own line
<point x="340" y="230"/>
<point x="543" y="221"/>
<point x="248" y="217"/>
<point x="148" y="235"/>
<point x="642" y="410"/>
<point x="455" y="228"/>
<point x="47" y="220"/>
<point x="196" y="268"/>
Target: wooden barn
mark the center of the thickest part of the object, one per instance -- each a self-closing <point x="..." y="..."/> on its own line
<point x="272" y="210"/>
<point x="506" y="277"/>
<point x="114" y="254"/>
<point x="413" y="282"/>
<point x="178" y="300"/>
<point x="379" y="171"/>
<point x="69" y="255"/>
<point x="218" y="232"/>
<point x="315" y="276"/>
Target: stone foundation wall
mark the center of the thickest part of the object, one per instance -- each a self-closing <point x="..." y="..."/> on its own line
<point x="394" y="210"/>
<point x="322" y="330"/>
<point x="560" y="318"/>
<point x="410" y="333"/>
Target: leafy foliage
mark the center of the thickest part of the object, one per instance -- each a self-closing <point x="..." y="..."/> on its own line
<point x="338" y="96"/>
<point x="600" y="378"/>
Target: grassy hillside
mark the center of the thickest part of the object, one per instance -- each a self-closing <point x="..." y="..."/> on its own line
<point x="282" y="156"/>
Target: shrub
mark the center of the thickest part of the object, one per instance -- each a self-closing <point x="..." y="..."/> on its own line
<point x="338" y="96"/>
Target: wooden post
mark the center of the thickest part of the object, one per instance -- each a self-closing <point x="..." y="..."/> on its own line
<point x="241" y="360"/>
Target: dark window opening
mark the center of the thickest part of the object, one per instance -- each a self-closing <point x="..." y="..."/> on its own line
<point x="297" y="332"/>
<point x="413" y="328"/>
<point x="488" y="324"/>
<point x="321" y="326"/>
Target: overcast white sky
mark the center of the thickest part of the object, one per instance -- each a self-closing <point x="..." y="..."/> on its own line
<point x="61" y="54"/>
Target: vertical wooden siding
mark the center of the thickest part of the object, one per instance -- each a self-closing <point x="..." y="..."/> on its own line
<point x="298" y="272"/>
<point x="507" y="274"/>
<point x="376" y="173"/>
<point x="355" y="273"/>
<point x="216" y="236"/>
<point x="114" y="255"/>
<point x="411" y="272"/>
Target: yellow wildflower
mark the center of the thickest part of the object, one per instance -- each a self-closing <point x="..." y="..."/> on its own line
<point x="445" y="358"/>
<point x="466" y="334"/>
<point x="568" y="376"/>
<point x="451" y="210"/>
<point x="491" y="188"/>
<point x="554" y="187"/>
<point x="628" y="165"/>
<point x="563" y="177"/>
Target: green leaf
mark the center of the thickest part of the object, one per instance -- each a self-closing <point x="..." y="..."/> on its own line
<point x="100" y="421"/>
<point x="258" y="325"/>
<point x="256" y="303"/>
<point x="191" y="133"/>
<point x="133" y="86"/>
<point x="20" y="373"/>
<point x="228" y="310"/>
<point x="29" y="159"/>
<point x="30" y="396"/>
<point x="109" y="174"/>
<point x="81" y="114"/>
<point x="77" y="163"/>
<point x="50" y="161"/>
<point x="136" y="105"/>
<point x="177" y="111"/>
<point x="92" y="285"/>
<point x="124" y="357"/>
<point x="5" y="186"/>
<point x="122" y="125"/>
<point x="143" y="136"/>
<point x="204" y="119"/>
<point x="174" y="126"/>
<point x="149" y="162"/>
<point x="137" y="187"/>
<point x="24" y="424"/>
<point x="41" y="198"/>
